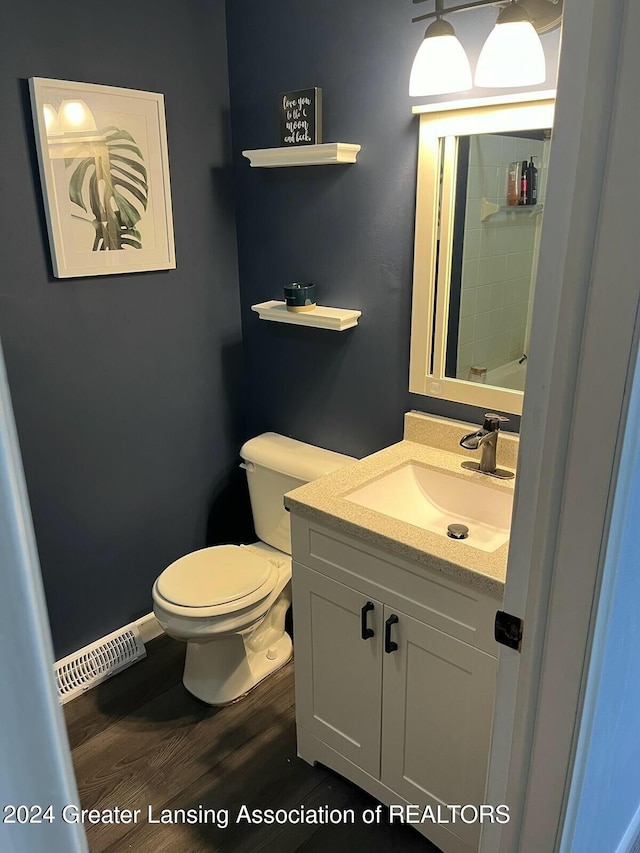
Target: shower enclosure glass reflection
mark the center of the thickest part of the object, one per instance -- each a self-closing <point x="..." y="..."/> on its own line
<point x="494" y="259"/>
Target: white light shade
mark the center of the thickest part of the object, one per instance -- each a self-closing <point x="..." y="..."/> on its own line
<point x="512" y="56"/>
<point x="51" y="120"/>
<point x="75" y="116"/>
<point x="441" y="65"/>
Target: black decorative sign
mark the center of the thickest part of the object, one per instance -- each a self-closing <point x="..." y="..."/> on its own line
<point x="301" y="117"/>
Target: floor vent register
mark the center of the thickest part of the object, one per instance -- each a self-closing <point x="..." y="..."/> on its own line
<point x="84" y="669"/>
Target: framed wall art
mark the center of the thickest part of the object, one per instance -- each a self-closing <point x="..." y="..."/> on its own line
<point x="104" y="169"/>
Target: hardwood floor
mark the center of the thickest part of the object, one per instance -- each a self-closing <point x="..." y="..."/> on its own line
<point x="141" y="740"/>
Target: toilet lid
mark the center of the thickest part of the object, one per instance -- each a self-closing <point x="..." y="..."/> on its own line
<point x="214" y="576"/>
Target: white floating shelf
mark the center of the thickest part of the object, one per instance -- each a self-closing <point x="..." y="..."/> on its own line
<point x="489" y="209"/>
<point x="327" y="154"/>
<point x="337" y="319"/>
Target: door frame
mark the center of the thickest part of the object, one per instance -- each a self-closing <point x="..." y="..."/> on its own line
<point x="582" y="344"/>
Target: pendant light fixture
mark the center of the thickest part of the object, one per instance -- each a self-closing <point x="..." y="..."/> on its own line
<point x="513" y="54"/>
<point x="441" y="65"/>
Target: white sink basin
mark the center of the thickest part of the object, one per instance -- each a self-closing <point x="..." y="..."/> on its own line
<point x="433" y="500"/>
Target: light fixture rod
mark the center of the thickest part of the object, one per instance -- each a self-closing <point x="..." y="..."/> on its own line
<point x="439" y="11"/>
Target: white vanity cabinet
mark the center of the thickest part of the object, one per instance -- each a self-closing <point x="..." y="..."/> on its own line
<point x="395" y="676"/>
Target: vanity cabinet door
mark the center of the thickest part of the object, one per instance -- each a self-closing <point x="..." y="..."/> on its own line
<point x="338" y="666"/>
<point x="438" y="706"/>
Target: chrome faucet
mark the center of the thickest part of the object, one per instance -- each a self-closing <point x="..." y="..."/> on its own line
<point x="486" y="439"/>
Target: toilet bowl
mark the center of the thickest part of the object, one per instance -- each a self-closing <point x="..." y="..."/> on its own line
<point x="235" y="633"/>
<point x="229" y="602"/>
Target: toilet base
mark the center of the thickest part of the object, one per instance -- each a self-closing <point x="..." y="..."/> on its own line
<point x="223" y="671"/>
<point x="225" y="668"/>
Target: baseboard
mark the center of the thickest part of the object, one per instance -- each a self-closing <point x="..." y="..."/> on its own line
<point x="148" y="626"/>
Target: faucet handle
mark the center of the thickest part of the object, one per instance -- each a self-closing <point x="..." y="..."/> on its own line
<point x="492" y="421"/>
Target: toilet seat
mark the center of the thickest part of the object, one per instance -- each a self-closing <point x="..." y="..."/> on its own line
<point x="215" y="581"/>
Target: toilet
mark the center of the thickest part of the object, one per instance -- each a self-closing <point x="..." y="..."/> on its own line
<point x="229" y="602"/>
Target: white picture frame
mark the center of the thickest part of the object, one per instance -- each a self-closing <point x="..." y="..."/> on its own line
<point x="104" y="170"/>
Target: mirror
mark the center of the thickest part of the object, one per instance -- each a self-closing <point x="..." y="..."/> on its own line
<point x="482" y="172"/>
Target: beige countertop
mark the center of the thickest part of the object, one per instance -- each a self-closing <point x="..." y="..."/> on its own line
<point x="323" y="501"/>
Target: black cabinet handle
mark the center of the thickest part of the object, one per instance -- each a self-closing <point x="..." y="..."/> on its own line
<point x="366" y="633"/>
<point x="389" y="645"/>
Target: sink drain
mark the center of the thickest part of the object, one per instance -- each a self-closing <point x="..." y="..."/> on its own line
<point x="458" y="531"/>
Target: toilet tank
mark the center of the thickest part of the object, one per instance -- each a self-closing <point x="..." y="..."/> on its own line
<point x="275" y="465"/>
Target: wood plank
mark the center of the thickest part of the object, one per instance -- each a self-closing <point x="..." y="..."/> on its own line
<point x="142" y="740"/>
<point x="113" y="699"/>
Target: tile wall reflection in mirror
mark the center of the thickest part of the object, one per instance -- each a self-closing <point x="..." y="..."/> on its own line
<point x="498" y="220"/>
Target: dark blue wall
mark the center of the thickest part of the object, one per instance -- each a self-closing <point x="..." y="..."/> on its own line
<point x="348" y="229"/>
<point x="127" y="389"/>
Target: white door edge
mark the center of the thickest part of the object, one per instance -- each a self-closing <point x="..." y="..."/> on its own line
<point x="36" y="762"/>
<point x="557" y="521"/>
